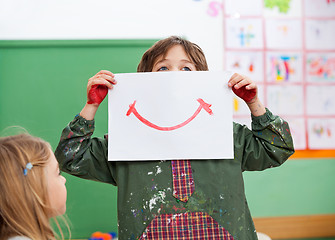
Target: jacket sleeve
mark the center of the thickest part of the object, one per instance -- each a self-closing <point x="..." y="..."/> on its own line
<point x="268" y="144"/>
<point x="80" y="155"/>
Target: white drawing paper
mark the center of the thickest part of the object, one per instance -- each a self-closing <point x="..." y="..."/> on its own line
<point x="320" y="34"/>
<point x="319" y="8"/>
<point x="321" y="133"/>
<point x="298" y="131"/>
<point x="285" y="100"/>
<point x="244" y="33"/>
<point x="170" y="115"/>
<point x="283" y="34"/>
<point x="321" y="100"/>
<point x="284" y="67"/>
<point x="320" y="67"/>
<point x="246" y="63"/>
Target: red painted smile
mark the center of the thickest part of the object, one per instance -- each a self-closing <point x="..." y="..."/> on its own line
<point x="203" y="105"/>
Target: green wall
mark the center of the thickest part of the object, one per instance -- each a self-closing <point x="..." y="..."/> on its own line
<point x="43" y="86"/>
<point x="298" y="187"/>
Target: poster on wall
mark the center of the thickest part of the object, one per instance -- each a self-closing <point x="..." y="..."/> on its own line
<point x="244" y="33"/>
<point x="283" y="34"/>
<point x="246" y="63"/>
<point x="321" y="132"/>
<point x="320" y="67"/>
<point x="285" y="67"/>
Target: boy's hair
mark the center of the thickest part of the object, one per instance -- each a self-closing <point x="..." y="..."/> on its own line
<point x="161" y="47"/>
<point x="24" y="203"/>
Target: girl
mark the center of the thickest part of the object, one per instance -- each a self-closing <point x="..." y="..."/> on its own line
<point x="32" y="189"/>
<point x="178" y="199"/>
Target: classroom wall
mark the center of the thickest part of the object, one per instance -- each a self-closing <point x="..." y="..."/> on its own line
<point x="43" y="85"/>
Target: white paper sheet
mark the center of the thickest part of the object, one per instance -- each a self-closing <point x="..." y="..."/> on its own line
<point x="320" y="67"/>
<point x="283" y="34"/>
<point x="246" y="33"/>
<point x="321" y="132"/>
<point x="165" y="100"/>
<point x="246" y="63"/>
<point x="320" y="34"/>
<point x="314" y="8"/>
<point x="285" y="100"/>
<point x="284" y="67"/>
<point x="320" y="100"/>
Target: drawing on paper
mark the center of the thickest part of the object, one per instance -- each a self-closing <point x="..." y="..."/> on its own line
<point x="325" y="8"/>
<point x="247" y="63"/>
<point x="203" y="105"/>
<point x="244" y="33"/>
<point x="320" y="34"/>
<point x="286" y="100"/>
<point x="297" y="127"/>
<point x="320" y="100"/>
<point x="284" y="67"/>
<point x="282" y="5"/>
<point x="321" y="68"/>
<point x="321" y="133"/>
<point x="283" y="34"/>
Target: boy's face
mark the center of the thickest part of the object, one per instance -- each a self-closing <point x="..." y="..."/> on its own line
<point x="175" y="59"/>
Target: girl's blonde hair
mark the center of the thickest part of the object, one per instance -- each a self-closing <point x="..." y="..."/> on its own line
<point x="161" y="47"/>
<point x="24" y="203"/>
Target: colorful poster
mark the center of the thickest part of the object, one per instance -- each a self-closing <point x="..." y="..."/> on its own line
<point x="320" y="100"/>
<point x="320" y="34"/>
<point x="170" y="115"/>
<point x="298" y="131"/>
<point x="284" y="67"/>
<point x="246" y="63"/>
<point x="244" y="33"/>
<point x="320" y="67"/>
<point x="319" y="8"/>
<point x="283" y="34"/>
<point x="285" y="99"/>
<point x="321" y="132"/>
<point x="282" y="8"/>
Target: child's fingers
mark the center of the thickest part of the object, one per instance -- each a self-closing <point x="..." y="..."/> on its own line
<point x="106" y="72"/>
<point x="241" y="82"/>
<point x="106" y="77"/>
<point x="109" y="78"/>
<point x="99" y="81"/>
<point x="235" y="78"/>
<point x="251" y="86"/>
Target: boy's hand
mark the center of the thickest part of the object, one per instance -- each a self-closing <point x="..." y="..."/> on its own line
<point x="243" y="87"/>
<point x="98" y="85"/>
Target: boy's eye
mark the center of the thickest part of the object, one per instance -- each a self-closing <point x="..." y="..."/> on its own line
<point x="163" y="69"/>
<point x="186" y="69"/>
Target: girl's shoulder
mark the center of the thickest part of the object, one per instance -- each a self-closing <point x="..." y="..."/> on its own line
<point x="19" y="238"/>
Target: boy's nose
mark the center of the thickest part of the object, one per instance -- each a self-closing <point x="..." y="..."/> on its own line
<point x="174" y="69"/>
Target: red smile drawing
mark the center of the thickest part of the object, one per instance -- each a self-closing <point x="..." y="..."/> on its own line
<point x="203" y="105"/>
